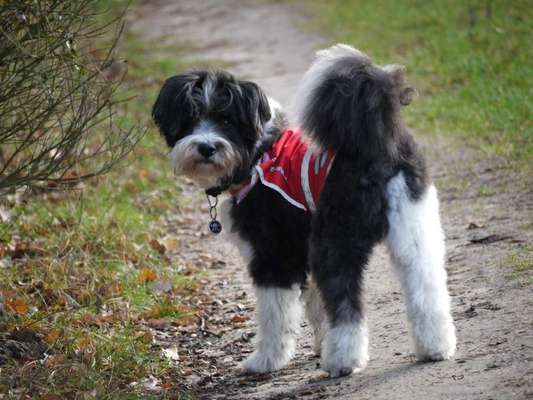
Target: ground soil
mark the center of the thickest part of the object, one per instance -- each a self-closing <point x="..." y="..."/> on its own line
<point x="487" y="211"/>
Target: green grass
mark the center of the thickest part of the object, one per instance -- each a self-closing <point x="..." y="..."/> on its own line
<point x="469" y="60"/>
<point x="78" y="269"/>
<point x="520" y="265"/>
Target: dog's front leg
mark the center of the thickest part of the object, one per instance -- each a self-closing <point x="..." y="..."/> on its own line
<point x="278" y="322"/>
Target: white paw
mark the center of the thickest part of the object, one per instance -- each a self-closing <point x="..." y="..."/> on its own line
<point x="259" y="362"/>
<point x="345" y="350"/>
<point x="342" y="364"/>
<point x="435" y="342"/>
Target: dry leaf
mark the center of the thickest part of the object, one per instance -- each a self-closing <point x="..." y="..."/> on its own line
<point x="52" y="336"/>
<point x="238" y="318"/>
<point x="144" y="336"/>
<point x="54" y="360"/>
<point x="171" y="243"/>
<point x="18" y="306"/>
<point x="147" y="275"/>
<point x="110" y="289"/>
<point x="131" y="187"/>
<point x="144" y="173"/>
<point x="158" y="323"/>
<point x="25" y="249"/>
<point x="160" y="248"/>
<point x="132" y="258"/>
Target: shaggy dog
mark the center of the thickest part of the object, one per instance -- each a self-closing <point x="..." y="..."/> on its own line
<point x="308" y="207"/>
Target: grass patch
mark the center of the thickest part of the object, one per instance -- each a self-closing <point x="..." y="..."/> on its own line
<point x="81" y="272"/>
<point x="520" y="265"/>
<point x="469" y="60"/>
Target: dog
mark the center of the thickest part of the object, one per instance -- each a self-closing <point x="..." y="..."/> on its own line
<point x="307" y="206"/>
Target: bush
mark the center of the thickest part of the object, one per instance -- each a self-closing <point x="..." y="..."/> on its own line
<point x="57" y="95"/>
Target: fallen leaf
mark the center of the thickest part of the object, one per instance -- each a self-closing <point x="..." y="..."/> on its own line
<point x="54" y="360"/>
<point x="144" y="173"/>
<point x="171" y="243"/>
<point x="144" y="336"/>
<point x="18" y="306"/>
<point x="131" y="187"/>
<point x="132" y="258"/>
<point x="160" y="248"/>
<point x="147" y="275"/>
<point x="110" y="289"/>
<point x="25" y="249"/>
<point x="158" y="323"/>
<point x="52" y="336"/>
<point x="238" y="318"/>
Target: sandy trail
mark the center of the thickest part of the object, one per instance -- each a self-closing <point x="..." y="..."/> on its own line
<point x="492" y="303"/>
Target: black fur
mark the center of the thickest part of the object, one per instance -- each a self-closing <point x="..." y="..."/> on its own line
<point x="355" y="109"/>
<point x="280" y="248"/>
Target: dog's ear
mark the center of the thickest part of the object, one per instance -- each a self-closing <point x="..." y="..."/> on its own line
<point x="174" y="105"/>
<point x="255" y="103"/>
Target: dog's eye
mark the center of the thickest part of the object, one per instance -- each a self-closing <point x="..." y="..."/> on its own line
<point x="226" y="122"/>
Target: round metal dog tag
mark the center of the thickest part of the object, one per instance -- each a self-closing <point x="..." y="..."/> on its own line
<point x="215" y="226"/>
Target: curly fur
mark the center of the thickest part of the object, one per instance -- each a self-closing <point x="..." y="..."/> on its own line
<point x="378" y="189"/>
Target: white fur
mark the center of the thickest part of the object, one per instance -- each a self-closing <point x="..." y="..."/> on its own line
<point x="208" y="89"/>
<point x="416" y="247"/>
<point x="279" y="314"/>
<point x="275" y="108"/>
<point x="315" y="313"/>
<point x="345" y="348"/>
<point x="185" y="157"/>
<point x="315" y="75"/>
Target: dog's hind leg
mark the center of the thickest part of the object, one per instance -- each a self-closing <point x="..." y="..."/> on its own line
<point x="345" y="342"/>
<point x="347" y="225"/>
<point x="315" y="313"/>
<point x="416" y="246"/>
<point x="279" y="314"/>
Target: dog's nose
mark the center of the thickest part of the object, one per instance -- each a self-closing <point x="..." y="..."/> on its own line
<point x="206" y="149"/>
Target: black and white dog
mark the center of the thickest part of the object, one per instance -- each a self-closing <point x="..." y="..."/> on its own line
<point x="312" y="242"/>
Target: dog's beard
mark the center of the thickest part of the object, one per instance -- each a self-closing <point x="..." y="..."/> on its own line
<point x="207" y="173"/>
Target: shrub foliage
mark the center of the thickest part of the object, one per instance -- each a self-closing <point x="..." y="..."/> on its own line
<point x="57" y="94"/>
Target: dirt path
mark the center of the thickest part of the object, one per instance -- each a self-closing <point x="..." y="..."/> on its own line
<point x="487" y="211"/>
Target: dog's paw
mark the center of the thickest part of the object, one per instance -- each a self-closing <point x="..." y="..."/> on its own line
<point x="340" y="372"/>
<point x="436" y="342"/>
<point x="341" y="364"/>
<point x="259" y="362"/>
<point x="441" y="351"/>
<point x="345" y="349"/>
<point x="340" y="361"/>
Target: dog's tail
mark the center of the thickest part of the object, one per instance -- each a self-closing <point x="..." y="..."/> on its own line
<point x="347" y="103"/>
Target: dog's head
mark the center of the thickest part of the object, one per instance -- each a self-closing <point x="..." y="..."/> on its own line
<point x="213" y="123"/>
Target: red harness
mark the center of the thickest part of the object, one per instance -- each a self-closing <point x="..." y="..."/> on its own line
<point x="292" y="169"/>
